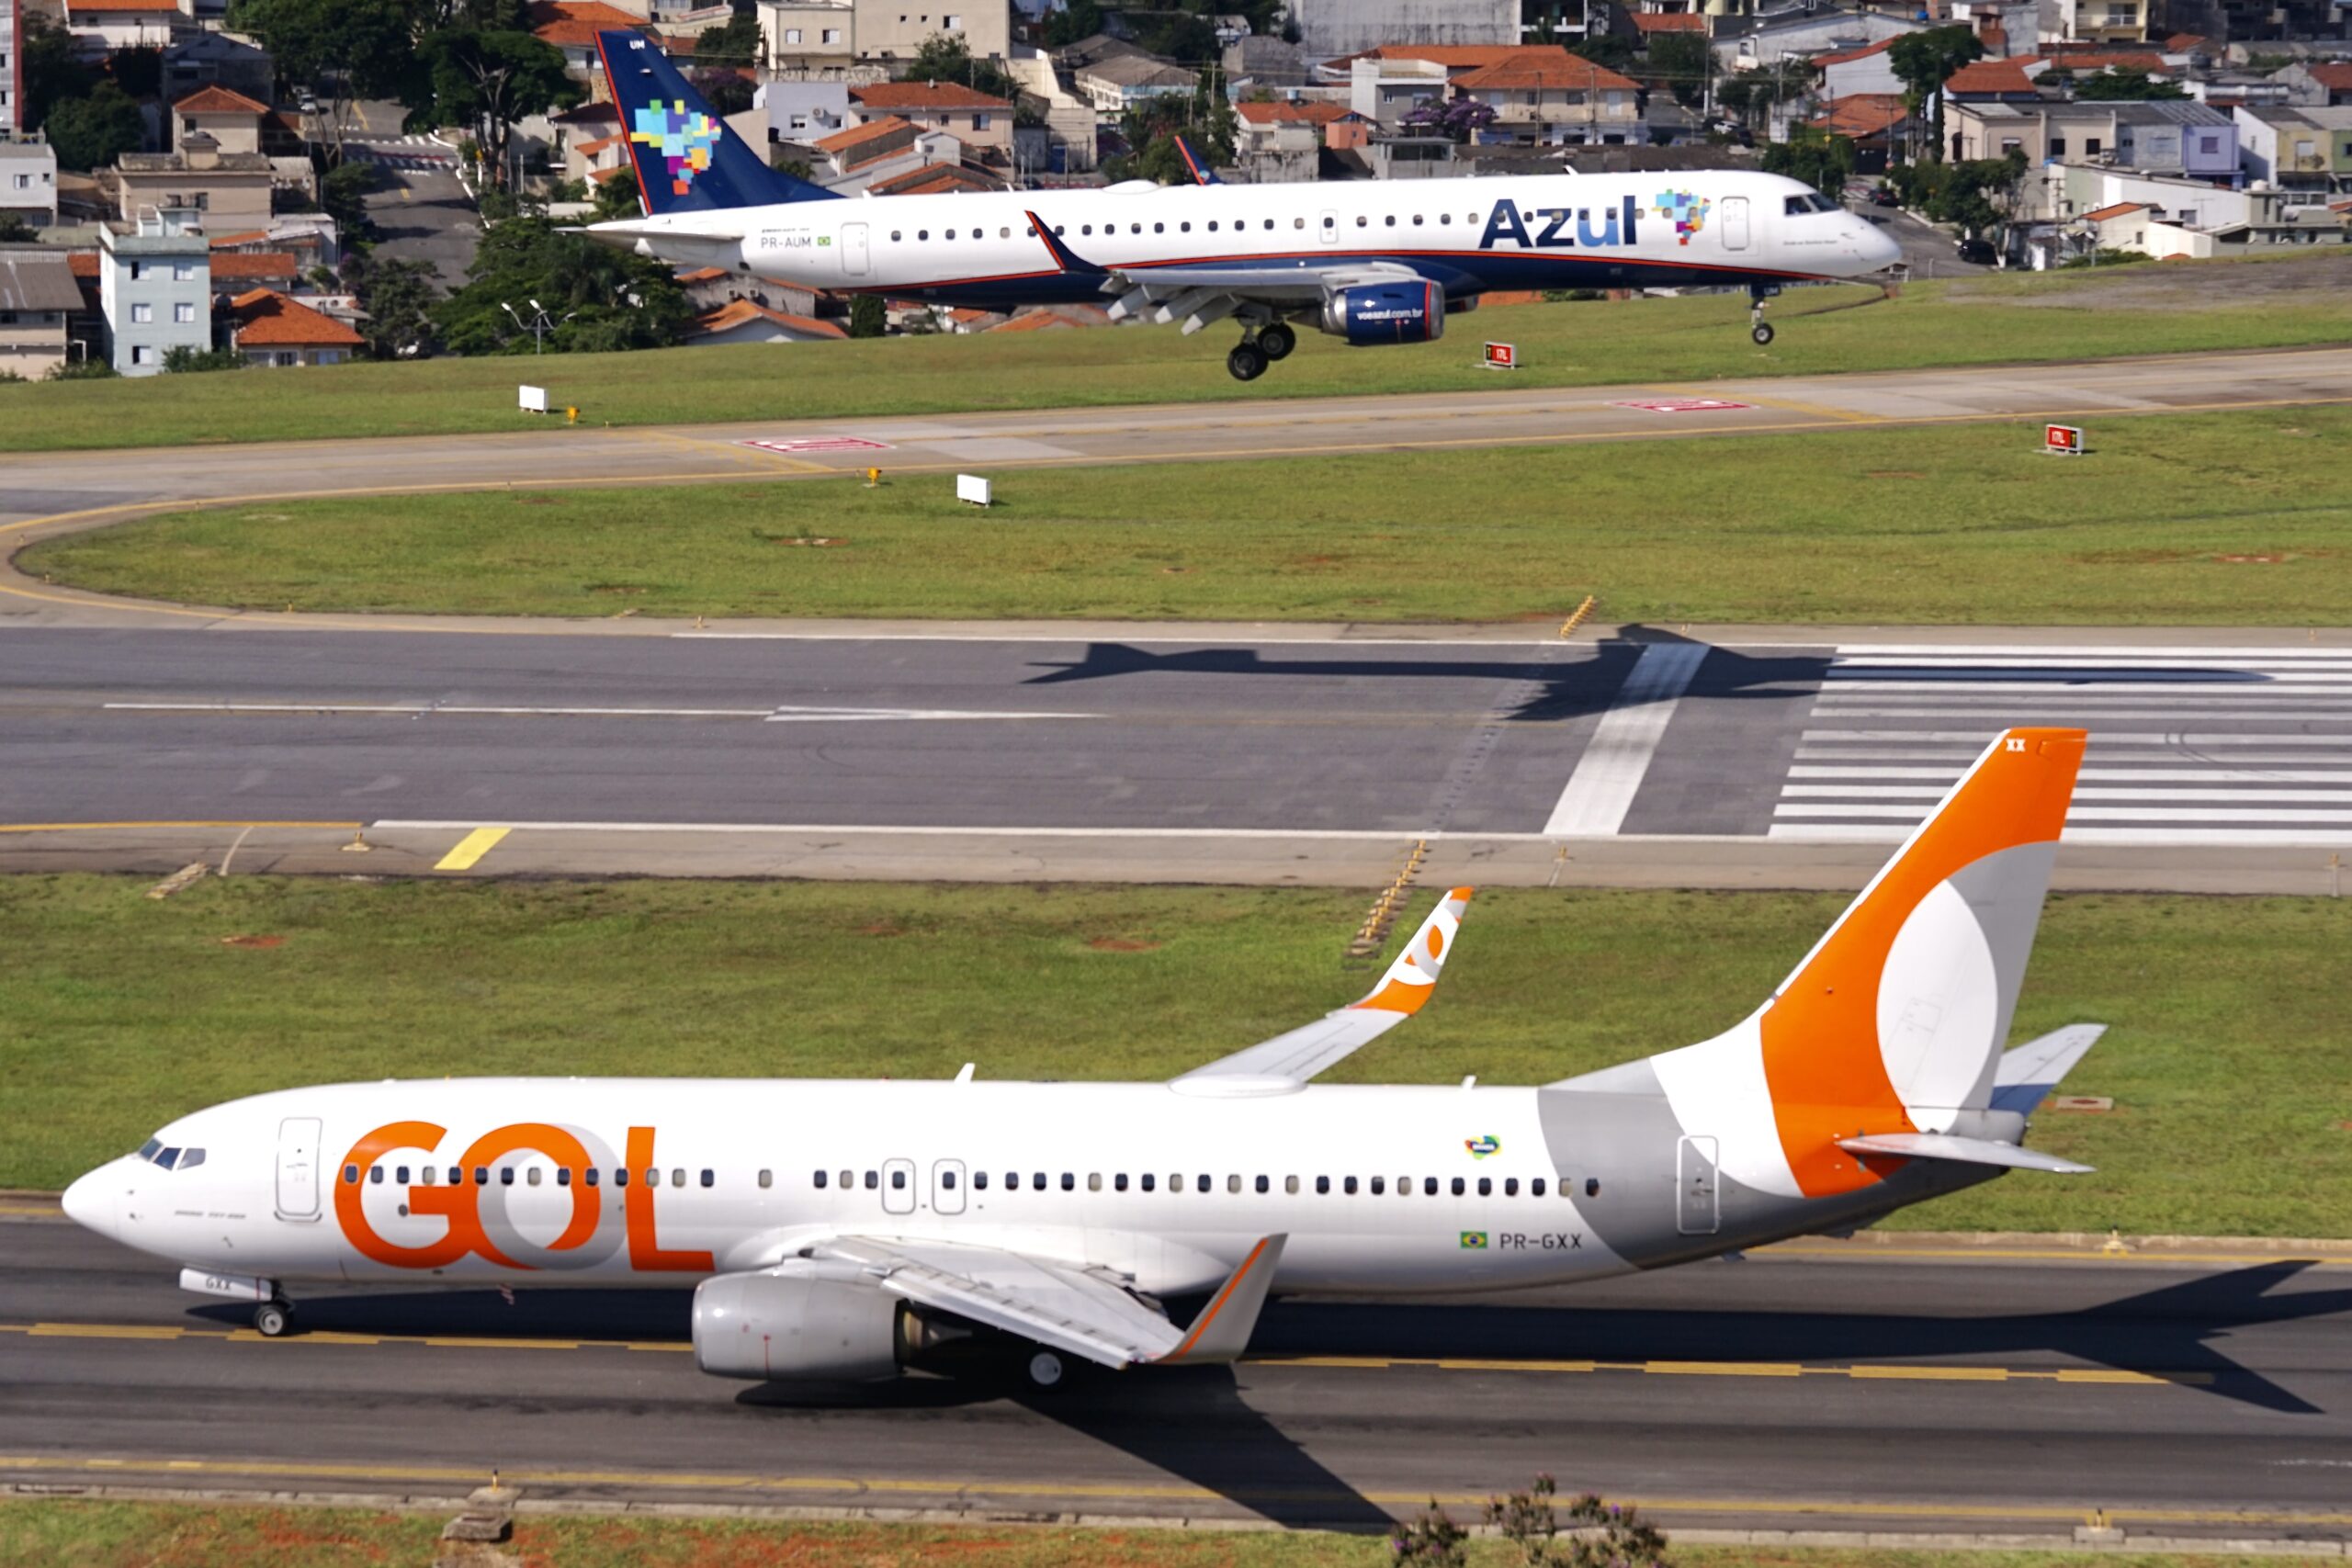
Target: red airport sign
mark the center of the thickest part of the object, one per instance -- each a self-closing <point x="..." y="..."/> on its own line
<point x="2066" y="440"/>
<point x="1502" y="356"/>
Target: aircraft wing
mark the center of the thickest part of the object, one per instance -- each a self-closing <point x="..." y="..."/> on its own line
<point x="1288" y="1060"/>
<point x="1200" y="295"/>
<point x="1064" y="1307"/>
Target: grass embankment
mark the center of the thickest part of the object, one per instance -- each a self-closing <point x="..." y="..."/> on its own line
<point x="2235" y="519"/>
<point x="1978" y="320"/>
<point x="2230" y="1060"/>
<point x="137" y="1534"/>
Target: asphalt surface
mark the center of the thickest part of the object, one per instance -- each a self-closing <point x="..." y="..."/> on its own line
<point x="41" y="493"/>
<point x="420" y="212"/>
<point x="1641" y="755"/>
<point x="1791" y="1390"/>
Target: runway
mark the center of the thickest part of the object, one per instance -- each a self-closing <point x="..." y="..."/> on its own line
<point x="44" y="493"/>
<point x="1804" y="1388"/>
<point x="1641" y="755"/>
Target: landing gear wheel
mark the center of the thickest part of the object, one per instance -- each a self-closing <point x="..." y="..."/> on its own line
<point x="1246" y="362"/>
<point x="1044" y="1371"/>
<point x="272" y="1319"/>
<point x="1276" y="341"/>
<point x="1762" y="332"/>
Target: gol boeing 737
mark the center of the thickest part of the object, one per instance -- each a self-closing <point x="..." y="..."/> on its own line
<point x="839" y="1230"/>
<point x="1372" y="262"/>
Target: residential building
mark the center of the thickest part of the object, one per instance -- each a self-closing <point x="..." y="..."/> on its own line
<point x="211" y="59"/>
<point x="1260" y="61"/>
<point x="1117" y="82"/>
<point x="977" y="119"/>
<point x="1862" y="70"/>
<point x="2318" y="84"/>
<point x="830" y="35"/>
<point x="2097" y="21"/>
<point x="808" y="38"/>
<point x="742" y="321"/>
<point x="804" y="108"/>
<point x="101" y="27"/>
<point x="215" y="116"/>
<point x="1330" y="28"/>
<point x="2306" y="152"/>
<point x="1385" y="91"/>
<point x="37" y="294"/>
<point x="855" y="158"/>
<point x="28" y="180"/>
<point x="1540" y="100"/>
<point x="2197" y="226"/>
<point x="1069" y="128"/>
<point x="2162" y="137"/>
<point x="571" y="26"/>
<point x="230" y="191"/>
<point x="1763" y="42"/>
<point x="274" y="330"/>
<point x="1275" y="143"/>
<point x="12" y="68"/>
<point x="934" y="179"/>
<point x="1880" y="125"/>
<point x="154" y="288"/>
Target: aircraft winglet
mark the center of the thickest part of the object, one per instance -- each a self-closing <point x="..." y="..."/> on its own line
<point x="1222" y="1331"/>
<point x="1194" y="164"/>
<point x="1069" y="261"/>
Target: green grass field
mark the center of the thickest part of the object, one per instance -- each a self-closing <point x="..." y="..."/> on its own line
<point x="143" y="1535"/>
<point x="2305" y="300"/>
<point x="2230" y="1059"/>
<point x="2234" y="519"/>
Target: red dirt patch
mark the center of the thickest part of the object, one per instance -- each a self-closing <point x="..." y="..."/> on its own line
<point x="1896" y="474"/>
<point x="253" y="941"/>
<point x="881" y="928"/>
<point x="1120" y="944"/>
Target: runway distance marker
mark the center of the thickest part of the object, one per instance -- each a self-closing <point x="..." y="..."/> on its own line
<point x="822" y="443"/>
<point x="1679" y="405"/>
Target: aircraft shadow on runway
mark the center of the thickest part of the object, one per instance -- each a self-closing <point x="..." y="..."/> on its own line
<point x="1195" y="1425"/>
<point x="1566" y="691"/>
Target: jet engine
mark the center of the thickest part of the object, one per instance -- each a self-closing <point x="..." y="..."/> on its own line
<point x="801" y="1320"/>
<point x="1368" y="314"/>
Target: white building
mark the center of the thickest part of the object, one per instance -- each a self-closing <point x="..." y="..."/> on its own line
<point x="28" y="180"/>
<point x="155" y="288"/>
<point x="1328" y="28"/>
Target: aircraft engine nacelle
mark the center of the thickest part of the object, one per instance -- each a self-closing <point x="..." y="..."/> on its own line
<point x="1386" y="312"/>
<point x="800" y="1321"/>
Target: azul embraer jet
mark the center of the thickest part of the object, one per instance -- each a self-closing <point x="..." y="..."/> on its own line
<point x="1373" y="262"/>
<point x="845" y="1229"/>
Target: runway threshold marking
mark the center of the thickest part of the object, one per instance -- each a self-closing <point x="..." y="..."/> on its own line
<point x="470" y="850"/>
<point x="968" y="1487"/>
<point x="2118" y="1376"/>
<point x="133" y="827"/>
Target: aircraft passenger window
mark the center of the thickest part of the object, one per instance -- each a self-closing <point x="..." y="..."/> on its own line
<point x="1445" y="217"/>
<point x="1299" y="222"/>
<point x="1038" y="1179"/>
<point x="1263" y="1184"/>
<point x="710" y="1179"/>
<point x="481" y="1176"/>
<point x="1005" y="233"/>
<point x="894" y="236"/>
<point x="427" y="1174"/>
<point x="677" y="1177"/>
<point x="1270" y="223"/>
<point x="620" y="1176"/>
<point x="1012" y="1181"/>
<point x="375" y="1175"/>
<point x="1184" y="228"/>
<point x="1348" y="1185"/>
<point x="1391" y="220"/>
<point x="1202" y="1184"/>
<point x="457" y="1173"/>
<point x="898" y="1181"/>
<point x="1429" y="1185"/>
<point x="1592" y="1186"/>
<point x="507" y="1176"/>
<point x="849" y="1180"/>
<point x="1134" y="228"/>
<point x="1290" y="1185"/>
<point x="1329" y="221"/>
<point x="1233" y="1184"/>
<point x="767" y="1178"/>
<point x="980" y="1180"/>
<point x="949" y="235"/>
<point x="191" y="1158"/>
<point x="1323" y="1186"/>
<point x="350" y="1172"/>
<point x="589" y="1176"/>
<point x="1379" y="1185"/>
<point x="1511" y="1186"/>
<point x="1457" y="1186"/>
<point x="1069" y="1182"/>
<point x="1212" y="225"/>
<point x="1535" y="1188"/>
<point x="1486" y="1187"/>
<point x="1416" y="220"/>
<point x="1086" y="228"/>
<point x="1363" y="222"/>
<point x="563" y="1176"/>
<point x="1148" y="1181"/>
<point x="532" y="1175"/>
<point x="1094" y="1181"/>
<point x="873" y="1179"/>
<point x="947" y="1181"/>
<point x="820" y="1181"/>
<point x="1062" y="228"/>
<point x="923" y="233"/>
<point x="1119" y="1182"/>
<point x="400" y="1173"/>
<point x="1160" y="228"/>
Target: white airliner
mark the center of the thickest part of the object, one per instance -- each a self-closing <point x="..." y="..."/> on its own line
<point x="845" y="1230"/>
<point x="1372" y="262"/>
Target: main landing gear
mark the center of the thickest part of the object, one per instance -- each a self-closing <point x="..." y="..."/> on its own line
<point x="273" y="1317"/>
<point x="1260" y="348"/>
<point x="1757" y="327"/>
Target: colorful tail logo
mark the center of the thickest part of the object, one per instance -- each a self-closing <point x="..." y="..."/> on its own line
<point x="683" y="137"/>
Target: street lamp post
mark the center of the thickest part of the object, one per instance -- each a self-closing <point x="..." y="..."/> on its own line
<point x="539" y="323"/>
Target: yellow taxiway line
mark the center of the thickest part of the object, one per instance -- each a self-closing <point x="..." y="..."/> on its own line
<point x="470" y="849"/>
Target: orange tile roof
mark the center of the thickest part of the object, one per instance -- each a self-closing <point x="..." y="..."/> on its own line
<point x="1864" y="53"/>
<point x="736" y="312"/>
<point x="932" y="179"/>
<point x="1049" y="317"/>
<point x="1314" y="112"/>
<point x="2142" y="60"/>
<point x="702" y="275"/>
<point x="244" y="265"/>
<point x="148" y="7"/>
<point x="2118" y="210"/>
<point x="216" y="99"/>
<point x="1669" y="22"/>
<point x="2184" y="43"/>
<point x="842" y="140"/>
<point x="2336" y="77"/>
<point x="1989" y="76"/>
<point x="267" y="318"/>
<point x="82" y="264"/>
<point x="902" y="98"/>
<point x="1459" y="56"/>
<point x="1864" y="113"/>
<point x="1530" y="70"/>
<point x="242" y="237"/>
<point x="616" y="172"/>
<point x="574" y="24"/>
<point x="598" y="145"/>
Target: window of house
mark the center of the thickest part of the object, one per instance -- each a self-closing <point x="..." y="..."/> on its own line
<point x="137" y="271"/>
<point x="184" y="314"/>
<point x="952" y="22"/>
<point x="2090" y="146"/>
<point x="2012" y="144"/>
<point x="2057" y="146"/>
<point x="980" y="122"/>
<point x="792" y="35"/>
<point x="142" y="313"/>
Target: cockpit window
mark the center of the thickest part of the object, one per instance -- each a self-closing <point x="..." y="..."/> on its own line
<point x="148" y="1150"/>
<point x="154" y="1152"/>
<point x="191" y="1158"/>
<point x="168" y="1158"/>
<point x="1810" y="202"/>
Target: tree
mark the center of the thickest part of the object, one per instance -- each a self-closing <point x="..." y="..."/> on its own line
<point x="726" y="92"/>
<point x="1611" y="52"/>
<point x="1682" y="63"/>
<point x="736" y="41"/>
<point x="1154" y="124"/>
<point x="944" y="58"/>
<point x="1606" y="1536"/>
<point x="1079" y="19"/>
<point x="92" y="132"/>
<point x="15" y="230"/>
<point x="1974" y="194"/>
<point x="187" y="359"/>
<point x="489" y="80"/>
<point x="53" y="67"/>
<point x="612" y="300"/>
<point x="1751" y="93"/>
<point x="343" y="196"/>
<point x="1812" y="155"/>
<point x="1923" y="62"/>
<point x="869" y="317"/>
<point x="398" y="296"/>
<point x="138" y="70"/>
<point x="361" y="47"/>
<point x="2125" y="86"/>
<point x="617" y="196"/>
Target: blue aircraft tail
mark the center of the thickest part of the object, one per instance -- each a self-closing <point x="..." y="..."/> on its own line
<point x="685" y="157"/>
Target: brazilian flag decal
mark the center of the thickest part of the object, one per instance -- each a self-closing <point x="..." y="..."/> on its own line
<point x="1473" y="1241"/>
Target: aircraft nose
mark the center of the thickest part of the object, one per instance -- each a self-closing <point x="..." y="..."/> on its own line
<point x="94" y="1203"/>
<point x="1880" y="248"/>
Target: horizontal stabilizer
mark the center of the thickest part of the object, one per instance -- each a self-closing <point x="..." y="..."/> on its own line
<point x="2031" y="1071"/>
<point x="1963" y="1151"/>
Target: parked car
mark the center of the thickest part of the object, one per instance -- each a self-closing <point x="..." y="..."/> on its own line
<point x="1978" y="253"/>
<point x="1884" y="196"/>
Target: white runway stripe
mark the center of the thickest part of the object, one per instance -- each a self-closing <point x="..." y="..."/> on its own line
<point x="2192" y="838"/>
<point x="1601" y="788"/>
<point x="1912" y="813"/>
<point x="1932" y="793"/>
<point x="2058" y="655"/>
<point x="1976" y="739"/>
<point x="1949" y="776"/>
<point x="2052" y="713"/>
<point x="2133" y="680"/>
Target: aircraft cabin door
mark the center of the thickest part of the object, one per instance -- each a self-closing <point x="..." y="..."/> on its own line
<point x="947" y="1187"/>
<point x="298" y="1169"/>
<point x="1695" y="1208"/>
<point x="898" y="1187"/>
<point x="854" y="256"/>
<point x="1735" y="223"/>
<point x="1329" y="227"/>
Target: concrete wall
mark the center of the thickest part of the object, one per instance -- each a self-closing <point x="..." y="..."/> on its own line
<point x="1330" y="28"/>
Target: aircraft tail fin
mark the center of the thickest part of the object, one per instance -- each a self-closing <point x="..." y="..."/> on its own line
<point x="1197" y="163"/>
<point x="1893" y="1023"/>
<point x="686" y="158"/>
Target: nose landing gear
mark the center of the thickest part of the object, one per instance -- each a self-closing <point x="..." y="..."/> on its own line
<point x="1757" y="327"/>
